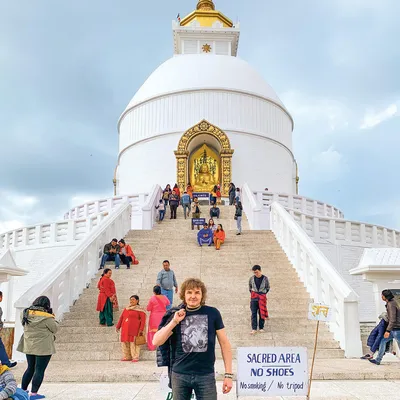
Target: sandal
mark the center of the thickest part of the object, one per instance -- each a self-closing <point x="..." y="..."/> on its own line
<point x="125" y="359"/>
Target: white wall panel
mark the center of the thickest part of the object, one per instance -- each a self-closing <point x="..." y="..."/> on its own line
<point x="228" y="110"/>
<point x="257" y="161"/>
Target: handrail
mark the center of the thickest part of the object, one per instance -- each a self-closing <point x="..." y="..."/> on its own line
<point x="253" y="209"/>
<point x="320" y="278"/>
<point x="69" y="278"/>
<point x="95" y="206"/>
<point x="337" y="231"/>
<point x="300" y="203"/>
<point x="149" y="209"/>
<point x="53" y="233"/>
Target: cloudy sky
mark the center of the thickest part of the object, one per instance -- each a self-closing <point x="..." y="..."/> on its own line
<point x="68" y="69"/>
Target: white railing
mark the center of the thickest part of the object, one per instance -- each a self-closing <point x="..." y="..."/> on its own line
<point x="50" y="234"/>
<point x="149" y="209"/>
<point x="321" y="280"/>
<point x="299" y="203"/>
<point x="336" y="231"/>
<point x="73" y="273"/>
<point x="94" y="207"/>
<point x="257" y="215"/>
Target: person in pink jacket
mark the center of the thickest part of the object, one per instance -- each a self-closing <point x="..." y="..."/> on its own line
<point x="157" y="306"/>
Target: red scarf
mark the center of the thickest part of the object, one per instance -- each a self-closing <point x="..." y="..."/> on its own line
<point x="262" y="303"/>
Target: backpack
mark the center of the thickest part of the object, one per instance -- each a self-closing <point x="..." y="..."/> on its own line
<point x="20" y="395"/>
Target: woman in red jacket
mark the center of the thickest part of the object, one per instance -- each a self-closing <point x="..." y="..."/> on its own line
<point x="132" y="323"/>
<point x="107" y="299"/>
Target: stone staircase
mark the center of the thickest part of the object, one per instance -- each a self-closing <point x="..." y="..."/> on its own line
<point x="225" y="273"/>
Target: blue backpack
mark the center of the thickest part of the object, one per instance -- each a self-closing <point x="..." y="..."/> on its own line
<point x="20" y="395"/>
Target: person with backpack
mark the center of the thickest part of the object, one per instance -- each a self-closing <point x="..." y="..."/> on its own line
<point x="37" y="342"/>
<point x="166" y="193"/>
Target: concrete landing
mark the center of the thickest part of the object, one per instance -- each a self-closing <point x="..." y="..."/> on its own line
<point x="117" y="371"/>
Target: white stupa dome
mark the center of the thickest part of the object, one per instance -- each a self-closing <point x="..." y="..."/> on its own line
<point x="201" y="72"/>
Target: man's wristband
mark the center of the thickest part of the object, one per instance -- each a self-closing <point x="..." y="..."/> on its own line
<point x="228" y="376"/>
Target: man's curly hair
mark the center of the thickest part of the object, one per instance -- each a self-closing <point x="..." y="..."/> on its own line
<point x="194" y="283"/>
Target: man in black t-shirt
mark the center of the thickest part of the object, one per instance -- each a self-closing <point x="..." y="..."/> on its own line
<point x="192" y="332"/>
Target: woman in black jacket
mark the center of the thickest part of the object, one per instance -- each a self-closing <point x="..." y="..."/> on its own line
<point x="231" y="193"/>
<point x="238" y="216"/>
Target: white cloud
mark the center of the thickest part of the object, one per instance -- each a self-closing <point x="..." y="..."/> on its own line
<point x="306" y="109"/>
<point x="373" y="118"/>
<point x="328" y="166"/>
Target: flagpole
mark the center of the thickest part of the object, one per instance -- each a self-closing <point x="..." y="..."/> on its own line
<point x="313" y="360"/>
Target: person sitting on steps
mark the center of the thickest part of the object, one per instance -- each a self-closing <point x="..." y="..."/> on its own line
<point x="126" y="254"/>
<point x="214" y="211"/>
<point x="111" y="253"/>
<point x="219" y="237"/>
<point x="4" y="360"/>
<point x="258" y="287"/>
<point x="205" y="236"/>
<point x="212" y="225"/>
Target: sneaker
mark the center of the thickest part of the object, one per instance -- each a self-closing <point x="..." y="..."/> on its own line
<point x="12" y="364"/>
<point x="253" y="332"/>
<point x="367" y="357"/>
<point x="374" y="362"/>
<point x="101" y="268"/>
<point x="36" y="396"/>
<point x="116" y="267"/>
<point x="238" y="234"/>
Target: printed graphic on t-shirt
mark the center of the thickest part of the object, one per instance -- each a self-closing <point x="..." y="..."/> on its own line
<point x="195" y="334"/>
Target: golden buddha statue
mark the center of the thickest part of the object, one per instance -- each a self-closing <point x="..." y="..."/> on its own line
<point x="205" y="180"/>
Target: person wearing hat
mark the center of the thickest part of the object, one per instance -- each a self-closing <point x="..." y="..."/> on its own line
<point x="111" y="253"/>
<point x="126" y="254"/>
<point x="205" y="236"/>
<point x="393" y="327"/>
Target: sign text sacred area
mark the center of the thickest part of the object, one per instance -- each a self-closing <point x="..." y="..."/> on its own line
<point x="272" y="371"/>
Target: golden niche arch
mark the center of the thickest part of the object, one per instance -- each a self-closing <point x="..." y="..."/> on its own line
<point x="182" y="154"/>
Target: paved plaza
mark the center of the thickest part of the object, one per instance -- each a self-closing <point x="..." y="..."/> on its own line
<point x="338" y="390"/>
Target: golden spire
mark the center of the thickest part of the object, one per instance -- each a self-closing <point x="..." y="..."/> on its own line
<point x="206" y="15"/>
<point x="205" y="5"/>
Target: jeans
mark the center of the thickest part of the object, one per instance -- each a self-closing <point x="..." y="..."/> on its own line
<point x="170" y="296"/>
<point x="162" y="214"/>
<point x="382" y="346"/>
<point x="110" y="257"/>
<point x="126" y="260"/>
<point x="186" y="209"/>
<point x="255" y="310"/>
<point x="166" y="202"/>
<point x="239" y="224"/>
<point x="173" y="208"/>
<point x="34" y="372"/>
<point x="3" y="354"/>
<point x="203" y="385"/>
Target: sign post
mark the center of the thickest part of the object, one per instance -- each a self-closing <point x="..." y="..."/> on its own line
<point x="272" y="371"/>
<point x="317" y="312"/>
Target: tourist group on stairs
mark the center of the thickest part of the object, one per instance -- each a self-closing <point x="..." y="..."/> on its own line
<point x="117" y="252"/>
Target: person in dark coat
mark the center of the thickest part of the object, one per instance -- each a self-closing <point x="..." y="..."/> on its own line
<point x="376" y="335"/>
<point x="232" y="190"/>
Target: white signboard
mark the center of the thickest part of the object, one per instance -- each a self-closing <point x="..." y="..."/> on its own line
<point x="272" y="371"/>
<point x="319" y="312"/>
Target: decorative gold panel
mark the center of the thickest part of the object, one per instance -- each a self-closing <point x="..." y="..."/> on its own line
<point x="223" y="173"/>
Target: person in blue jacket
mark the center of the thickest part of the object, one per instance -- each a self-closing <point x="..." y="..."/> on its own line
<point x="376" y="335"/>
